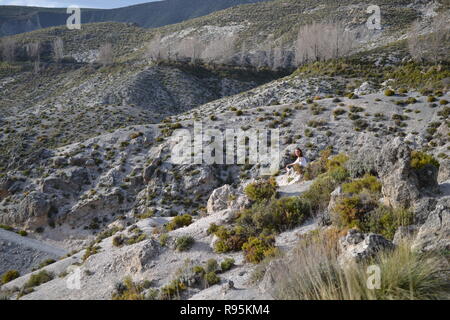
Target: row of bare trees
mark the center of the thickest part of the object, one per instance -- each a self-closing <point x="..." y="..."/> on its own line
<point x="432" y="47"/>
<point x="315" y="42"/>
<point x="219" y="50"/>
<point x="323" y="41"/>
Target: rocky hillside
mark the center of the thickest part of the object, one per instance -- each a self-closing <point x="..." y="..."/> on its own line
<point x="87" y="167"/>
<point x="14" y="19"/>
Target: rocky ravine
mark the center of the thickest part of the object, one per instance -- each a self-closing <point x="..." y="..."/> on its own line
<point x="116" y="179"/>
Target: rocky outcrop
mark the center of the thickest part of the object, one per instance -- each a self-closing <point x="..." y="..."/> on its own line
<point x="404" y="233"/>
<point x="434" y="234"/>
<point x="400" y="185"/>
<point x="220" y="199"/>
<point x="32" y="212"/>
<point x="444" y="170"/>
<point x="357" y="246"/>
<point x="9" y="185"/>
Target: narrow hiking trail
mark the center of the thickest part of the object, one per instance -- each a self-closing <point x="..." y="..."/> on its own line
<point x="23" y="253"/>
<point x="30" y="243"/>
<point x="294" y="189"/>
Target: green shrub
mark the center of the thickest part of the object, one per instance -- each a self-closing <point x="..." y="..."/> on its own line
<point x="337" y="161"/>
<point x="230" y="239"/>
<point x="276" y="215"/>
<point x="256" y="249"/>
<point x="184" y="243"/>
<point x="385" y="221"/>
<point x="179" y="222"/>
<point x="212" y="265"/>
<point x="212" y="278"/>
<point x="227" y="264"/>
<point x="7" y="228"/>
<point x="163" y="239"/>
<point x="389" y="92"/>
<point x="199" y="270"/>
<point x="261" y="190"/>
<point x="339" y="174"/>
<point x="174" y="288"/>
<point x="315" y="168"/>
<point x="128" y="290"/>
<point x="351" y="212"/>
<point x="46" y="263"/>
<point x="420" y="159"/>
<point x="443" y="102"/>
<point x="212" y="228"/>
<point x="9" y="275"/>
<point x="318" y="195"/>
<point x="23" y="233"/>
<point x="117" y="241"/>
<point x="38" y="278"/>
<point x="368" y="183"/>
<point x="91" y="250"/>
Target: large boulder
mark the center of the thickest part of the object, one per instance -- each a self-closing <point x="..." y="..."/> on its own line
<point x="219" y="199"/>
<point x="434" y="234"/>
<point x="356" y="246"/>
<point x="400" y="185"/>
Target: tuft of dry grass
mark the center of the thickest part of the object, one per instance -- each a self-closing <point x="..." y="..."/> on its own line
<point x="314" y="273"/>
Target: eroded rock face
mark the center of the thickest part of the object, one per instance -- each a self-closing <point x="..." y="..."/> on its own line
<point x="434" y="234"/>
<point x="356" y="246"/>
<point x="8" y="186"/>
<point x="400" y="185"/>
<point x="272" y="275"/>
<point x="140" y="257"/>
<point x="444" y="171"/>
<point x="219" y="199"/>
<point x="32" y="212"/>
<point x="404" y="233"/>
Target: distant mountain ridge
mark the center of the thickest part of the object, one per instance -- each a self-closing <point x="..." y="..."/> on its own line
<point x="18" y="19"/>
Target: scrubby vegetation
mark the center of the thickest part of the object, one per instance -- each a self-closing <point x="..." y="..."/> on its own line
<point x="179" y="222"/>
<point x="128" y="290"/>
<point x="9" y="276"/>
<point x="184" y="243"/>
<point x="420" y="159"/>
<point x="315" y="274"/>
<point x="258" y="248"/>
<point x="261" y="190"/>
<point x="38" y="278"/>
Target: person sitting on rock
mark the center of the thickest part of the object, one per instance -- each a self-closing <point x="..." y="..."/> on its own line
<point x="301" y="162"/>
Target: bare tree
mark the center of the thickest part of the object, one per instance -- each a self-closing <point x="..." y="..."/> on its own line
<point x="105" y="54"/>
<point x="154" y="48"/>
<point x="8" y="49"/>
<point x="243" y="54"/>
<point x="433" y="46"/>
<point x="219" y="50"/>
<point x="322" y="41"/>
<point x="34" y="52"/>
<point x="416" y="46"/>
<point x="190" y="48"/>
<point x="439" y="38"/>
<point x="58" y="49"/>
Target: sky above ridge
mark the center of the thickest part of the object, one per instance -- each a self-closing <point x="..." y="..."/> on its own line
<point x="104" y="4"/>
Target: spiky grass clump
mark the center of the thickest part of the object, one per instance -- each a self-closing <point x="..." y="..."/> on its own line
<point x="315" y="274"/>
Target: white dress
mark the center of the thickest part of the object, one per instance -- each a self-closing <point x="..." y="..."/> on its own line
<point x="292" y="176"/>
<point x="301" y="161"/>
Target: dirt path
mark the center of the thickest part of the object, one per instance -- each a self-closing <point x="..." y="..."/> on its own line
<point x="22" y="253"/>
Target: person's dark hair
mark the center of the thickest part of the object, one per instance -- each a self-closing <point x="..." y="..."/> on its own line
<point x="301" y="152"/>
